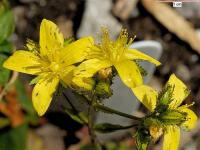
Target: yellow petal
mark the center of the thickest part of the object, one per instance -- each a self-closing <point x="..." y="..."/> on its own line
<point x="89" y="67"/>
<point x="146" y="95"/>
<point x="68" y="75"/>
<point x="129" y="73"/>
<point x="85" y="83"/>
<point x="171" y="138"/>
<point x="43" y="94"/>
<point x="133" y="54"/>
<point x="50" y="38"/>
<point x="76" y="51"/>
<point x="23" y="61"/>
<point x="180" y="91"/>
<point x="191" y="119"/>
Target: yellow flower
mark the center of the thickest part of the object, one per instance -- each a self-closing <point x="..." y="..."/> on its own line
<point x="114" y="53"/>
<point x="52" y="61"/>
<point x="149" y="96"/>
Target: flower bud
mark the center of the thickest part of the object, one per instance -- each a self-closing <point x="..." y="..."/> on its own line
<point x="105" y="73"/>
<point x="103" y="89"/>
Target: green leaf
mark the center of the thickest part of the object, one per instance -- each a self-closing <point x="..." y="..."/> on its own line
<point x="107" y="127"/>
<point x="78" y="117"/>
<point x="6" y="47"/>
<point x="14" y="139"/>
<point x="6" y="25"/>
<point x="5" y="73"/>
<point x="24" y="100"/>
<point x="3" y="6"/>
<point x="4" y="122"/>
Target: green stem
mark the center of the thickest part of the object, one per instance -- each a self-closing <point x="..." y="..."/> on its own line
<point x="113" y="111"/>
<point x="127" y="127"/>
<point x="91" y="117"/>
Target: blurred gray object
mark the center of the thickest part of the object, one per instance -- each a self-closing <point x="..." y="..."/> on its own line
<point x="123" y="98"/>
<point x="97" y="14"/>
<point x="190" y="10"/>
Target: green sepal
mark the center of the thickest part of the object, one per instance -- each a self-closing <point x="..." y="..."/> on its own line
<point x="103" y="90"/>
<point x="172" y="117"/>
<point x="147" y="122"/>
<point x="165" y="96"/>
<point x="143" y="138"/>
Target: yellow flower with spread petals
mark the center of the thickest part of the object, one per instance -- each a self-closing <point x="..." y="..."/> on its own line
<point x="52" y="61"/>
<point x="149" y="97"/>
<point x="114" y="53"/>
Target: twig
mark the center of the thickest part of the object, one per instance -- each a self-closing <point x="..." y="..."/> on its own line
<point x="7" y="86"/>
<point x="113" y="111"/>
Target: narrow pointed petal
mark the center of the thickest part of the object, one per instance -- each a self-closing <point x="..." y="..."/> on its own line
<point x="134" y="54"/>
<point x="147" y="96"/>
<point x="171" y="138"/>
<point x="76" y="51"/>
<point x="50" y="38"/>
<point x="89" y="67"/>
<point x="129" y="73"/>
<point x="180" y="91"/>
<point x="43" y="94"/>
<point x="191" y="119"/>
<point x="23" y="61"/>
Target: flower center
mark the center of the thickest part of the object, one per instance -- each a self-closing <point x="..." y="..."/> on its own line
<point x="54" y="66"/>
<point x="155" y="131"/>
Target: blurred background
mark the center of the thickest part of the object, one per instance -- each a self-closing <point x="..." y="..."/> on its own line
<point x="176" y="29"/>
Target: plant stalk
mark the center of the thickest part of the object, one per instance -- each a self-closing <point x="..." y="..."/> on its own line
<point x="113" y="111"/>
<point x="91" y="113"/>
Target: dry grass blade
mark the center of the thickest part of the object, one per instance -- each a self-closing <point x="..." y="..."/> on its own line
<point x="11" y="81"/>
<point x="174" y="22"/>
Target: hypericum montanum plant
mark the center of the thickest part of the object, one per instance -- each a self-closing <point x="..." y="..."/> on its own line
<point x="88" y="69"/>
